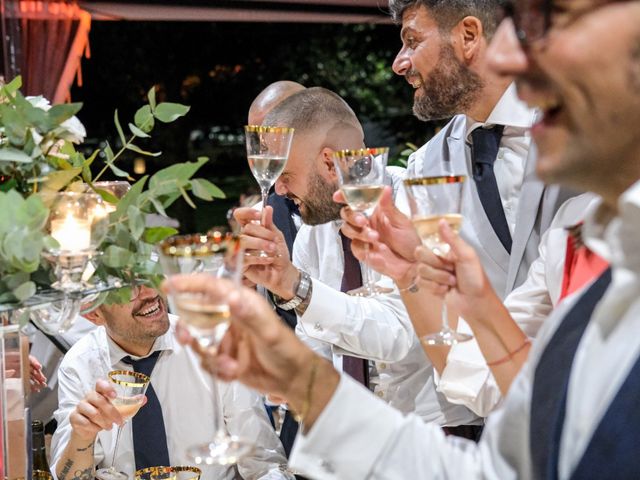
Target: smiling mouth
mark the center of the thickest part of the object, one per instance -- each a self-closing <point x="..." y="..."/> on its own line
<point x="151" y="309"/>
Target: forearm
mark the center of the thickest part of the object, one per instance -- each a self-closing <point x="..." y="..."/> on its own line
<point x="76" y="462"/>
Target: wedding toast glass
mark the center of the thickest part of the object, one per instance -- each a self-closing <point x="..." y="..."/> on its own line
<point x="169" y="473"/>
<point x="207" y="317"/>
<point x="431" y="200"/>
<point x="267" y="151"/>
<point x="361" y="175"/>
<point x="130" y="389"/>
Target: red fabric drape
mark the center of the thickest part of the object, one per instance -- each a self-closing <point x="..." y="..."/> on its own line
<point x="53" y="37"/>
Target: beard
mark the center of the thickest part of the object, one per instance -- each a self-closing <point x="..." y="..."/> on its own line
<point x="318" y="207"/>
<point x="450" y="89"/>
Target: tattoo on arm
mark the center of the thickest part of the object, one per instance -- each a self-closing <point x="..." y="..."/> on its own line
<point x="65" y="470"/>
<point x="86" y="474"/>
<point x="85" y="448"/>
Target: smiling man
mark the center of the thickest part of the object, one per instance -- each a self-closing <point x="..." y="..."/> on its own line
<point x="179" y="410"/>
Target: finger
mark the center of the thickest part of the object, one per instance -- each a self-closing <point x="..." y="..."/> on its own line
<point x="338" y="197"/>
<point x="433" y="288"/>
<point x="182" y="334"/>
<point x="97" y="415"/>
<point x="33" y="361"/>
<point x="441" y="277"/>
<point x="353" y="218"/>
<point x="106" y="389"/>
<point x="245" y="215"/>
<point x="259" y="231"/>
<point x="425" y="256"/>
<point x="227" y="368"/>
<point x="267" y="217"/>
<point x="459" y="248"/>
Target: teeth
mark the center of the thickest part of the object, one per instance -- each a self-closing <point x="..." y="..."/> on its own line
<point x="150" y="310"/>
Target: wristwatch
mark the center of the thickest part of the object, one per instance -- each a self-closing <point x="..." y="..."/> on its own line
<point x="300" y="295"/>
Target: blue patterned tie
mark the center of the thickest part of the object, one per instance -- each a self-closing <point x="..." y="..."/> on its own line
<point x="149" y="436"/>
<point x="486" y="142"/>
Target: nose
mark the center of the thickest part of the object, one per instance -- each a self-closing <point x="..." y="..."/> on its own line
<point x="402" y="62"/>
<point x="505" y="54"/>
<point x="280" y="187"/>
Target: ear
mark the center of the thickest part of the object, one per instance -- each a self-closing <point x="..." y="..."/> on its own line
<point x="95" y="316"/>
<point x="326" y="162"/>
<point x="470" y="34"/>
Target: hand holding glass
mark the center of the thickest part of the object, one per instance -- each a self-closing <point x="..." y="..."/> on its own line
<point x="431" y="200"/>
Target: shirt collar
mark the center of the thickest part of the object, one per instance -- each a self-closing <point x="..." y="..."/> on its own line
<point x="163" y="342"/>
<point x="510" y="111"/>
<point x="613" y="235"/>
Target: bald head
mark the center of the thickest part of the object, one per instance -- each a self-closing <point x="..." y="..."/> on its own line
<point x="271" y="96"/>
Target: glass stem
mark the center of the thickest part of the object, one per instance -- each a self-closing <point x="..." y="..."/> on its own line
<point x="115" y="447"/>
<point x="265" y="193"/>
<point x="218" y="419"/>
<point x="445" y="315"/>
<point x="366" y="271"/>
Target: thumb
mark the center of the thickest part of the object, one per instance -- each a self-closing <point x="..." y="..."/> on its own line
<point x="459" y="248"/>
<point x="338" y="197"/>
<point x="267" y="216"/>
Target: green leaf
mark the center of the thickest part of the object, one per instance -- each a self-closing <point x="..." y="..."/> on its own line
<point x="151" y="96"/>
<point x="14" y="155"/>
<point x="187" y="198"/>
<point x="109" y="153"/>
<point x="154" y="235"/>
<point x="13" y="86"/>
<point x="158" y="206"/>
<point x="61" y="112"/>
<point x="168" y="112"/>
<point x="118" y="172"/>
<point x="136" y="221"/>
<point x="119" y="128"/>
<point x="169" y="179"/>
<point x="144" y="119"/>
<point x="131" y="196"/>
<point x="205" y="190"/>
<point x="137" y="149"/>
<point x="137" y="132"/>
<point x="24" y="291"/>
<point x="107" y="196"/>
<point x="116" y="257"/>
<point x="57" y="180"/>
<point x="14" y="280"/>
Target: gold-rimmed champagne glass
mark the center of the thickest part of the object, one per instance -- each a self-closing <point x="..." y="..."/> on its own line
<point x="181" y="472"/>
<point x="431" y="200"/>
<point x="207" y="318"/>
<point x="267" y="152"/>
<point x="361" y="175"/>
<point x="130" y="390"/>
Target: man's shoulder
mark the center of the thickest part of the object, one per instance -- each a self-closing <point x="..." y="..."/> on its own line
<point x="454" y="128"/>
<point x="87" y="346"/>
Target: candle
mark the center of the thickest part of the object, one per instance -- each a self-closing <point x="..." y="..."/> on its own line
<point x="72" y="234"/>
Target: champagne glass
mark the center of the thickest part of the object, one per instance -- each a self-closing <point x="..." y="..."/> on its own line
<point x="207" y="318"/>
<point x="267" y="152"/>
<point x="432" y="199"/>
<point x="130" y="389"/>
<point x="361" y="176"/>
<point x="169" y="473"/>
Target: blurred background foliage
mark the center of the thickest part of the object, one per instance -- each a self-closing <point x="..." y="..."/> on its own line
<point x="218" y="69"/>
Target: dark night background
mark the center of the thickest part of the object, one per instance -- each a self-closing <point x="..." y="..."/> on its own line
<point x="217" y="69"/>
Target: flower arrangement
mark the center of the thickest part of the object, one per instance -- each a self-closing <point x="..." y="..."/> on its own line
<point x="39" y="158"/>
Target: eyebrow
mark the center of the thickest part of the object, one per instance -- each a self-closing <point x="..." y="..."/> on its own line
<point x="405" y="31"/>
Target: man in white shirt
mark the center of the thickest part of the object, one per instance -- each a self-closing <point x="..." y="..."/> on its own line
<point x="331" y="322"/>
<point x="506" y="208"/>
<point x="86" y="434"/>
<point x="572" y="411"/>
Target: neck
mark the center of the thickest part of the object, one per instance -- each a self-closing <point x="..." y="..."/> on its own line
<point x="488" y="97"/>
<point x="137" y="348"/>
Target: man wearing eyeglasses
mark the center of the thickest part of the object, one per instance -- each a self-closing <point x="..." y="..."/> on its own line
<point x="572" y="411"/>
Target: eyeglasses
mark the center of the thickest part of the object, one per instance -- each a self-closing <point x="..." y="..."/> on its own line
<point x="533" y="18"/>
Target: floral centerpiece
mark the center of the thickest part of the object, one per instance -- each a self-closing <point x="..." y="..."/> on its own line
<point x="39" y="158"/>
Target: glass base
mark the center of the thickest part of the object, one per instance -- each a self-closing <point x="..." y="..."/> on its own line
<point x="370" y="291"/>
<point x="225" y="450"/>
<point x="446" y="337"/>
<point x="111" y="474"/>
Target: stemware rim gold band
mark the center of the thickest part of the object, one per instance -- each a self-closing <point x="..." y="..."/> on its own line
<point x="438" y="180"/>
<point x="360" y="151"/>
<point x="199" y="244"/>
<point x="179" y="468"/>
<point x="267" y="129"/>
<point x="144" y="379"/>
<point x="41" y="474"/>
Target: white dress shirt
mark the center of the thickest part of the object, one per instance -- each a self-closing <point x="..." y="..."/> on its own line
<point x="466" y="378"/>
<point x="184" y="392"/>
<point x="377" y="328"/>
<point x="397" y="447"/>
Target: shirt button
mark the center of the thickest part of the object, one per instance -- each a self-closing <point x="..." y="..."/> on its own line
<point x="380" y="393"/>
<point x="317" y="327"/>
<point x="382" y="365"/>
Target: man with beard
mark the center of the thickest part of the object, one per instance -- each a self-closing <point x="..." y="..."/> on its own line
<point x="505" y="207"/>
<point x="348" y="330"/>
<point x="178" y="411"/>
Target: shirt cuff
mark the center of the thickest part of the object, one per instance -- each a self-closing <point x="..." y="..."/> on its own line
<point x="325" y="314"/>
<point x="346" y="419"/>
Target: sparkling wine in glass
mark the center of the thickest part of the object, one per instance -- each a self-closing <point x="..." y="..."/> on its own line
<point x="361" y="175"/>
<point x="207" y="317"/>
<point x="431" y="200"/>
<point x="130" y="389"/>
<point x="267" y="152"/>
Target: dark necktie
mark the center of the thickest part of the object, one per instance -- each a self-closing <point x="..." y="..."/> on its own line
<point x="486" y="142"/>
<point x="358" y="368"/>
<point x="149" y="436"/>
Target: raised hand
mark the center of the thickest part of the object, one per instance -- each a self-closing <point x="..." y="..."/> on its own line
<point x="95" y="412"/>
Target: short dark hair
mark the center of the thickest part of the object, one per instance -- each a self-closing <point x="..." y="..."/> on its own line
<point x="447" y="13"/>
<point x="309" y="108"/>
